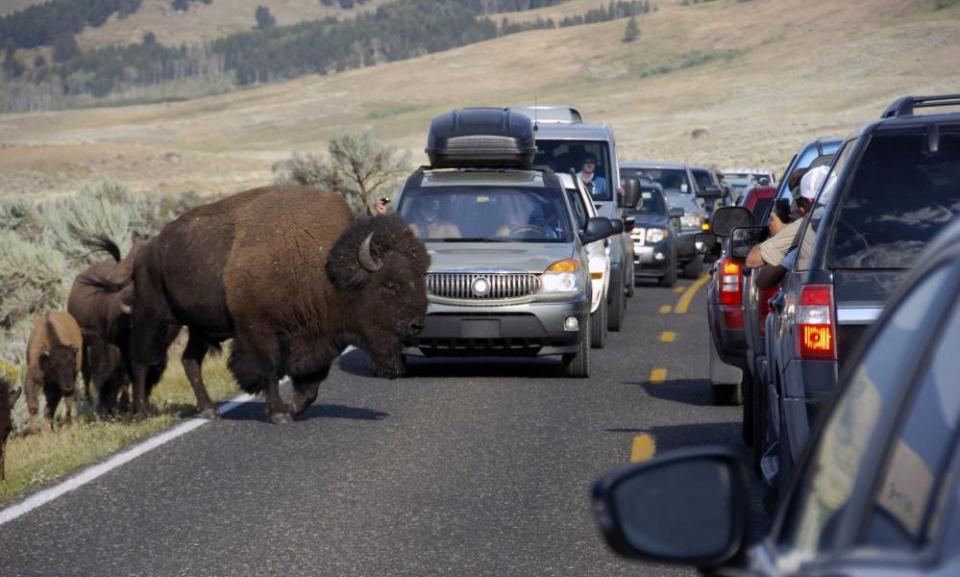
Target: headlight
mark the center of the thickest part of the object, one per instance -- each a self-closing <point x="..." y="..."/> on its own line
<point x="562" y="278"/>
<point x="689" y="220"/>
<point x="655" y="235"/>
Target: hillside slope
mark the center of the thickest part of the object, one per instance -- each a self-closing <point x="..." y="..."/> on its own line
<point x="760" y="77"/>
<point x="204" y="22"/>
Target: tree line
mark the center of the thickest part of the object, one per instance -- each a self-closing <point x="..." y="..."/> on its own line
<point x="394" y="31"/>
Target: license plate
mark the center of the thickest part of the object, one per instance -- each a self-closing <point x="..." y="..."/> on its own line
<point x="480" y="329"/>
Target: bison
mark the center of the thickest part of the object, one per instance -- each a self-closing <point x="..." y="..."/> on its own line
<point x="8" y="399"/>
<point x="291" y="277"/>
<point x="54" y="357"/>
<point x="104" y="318"/>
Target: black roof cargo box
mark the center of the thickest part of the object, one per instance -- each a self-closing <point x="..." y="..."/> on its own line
<point x="481" y="137"/>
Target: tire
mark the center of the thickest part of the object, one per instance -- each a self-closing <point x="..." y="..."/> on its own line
<point x="694" y="268"/>
<point x="630" y="281"/>
<point x="617" y="300"/>
<point x="726" y="394"/>
<point x="670" y="278"/>
<point x="598" y="326"/>
<point x="577" y="365"/>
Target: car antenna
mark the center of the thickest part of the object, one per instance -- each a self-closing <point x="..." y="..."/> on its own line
<point x="536" y="105"/>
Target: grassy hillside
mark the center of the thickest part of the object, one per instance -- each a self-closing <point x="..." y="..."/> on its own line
<point x="761" y="77"/>
<point x="206" y="21"/>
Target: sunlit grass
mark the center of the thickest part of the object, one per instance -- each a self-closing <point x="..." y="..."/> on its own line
<point x="36" y="460"/>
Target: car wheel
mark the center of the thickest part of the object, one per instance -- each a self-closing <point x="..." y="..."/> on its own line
<point x="577" y="365"/>
<point x="670" y="277"/>
<point x="694" y="268"/>
<point x="630" y="281"/>
<point x="617" y="300"/>
<point x="598" y="326"/>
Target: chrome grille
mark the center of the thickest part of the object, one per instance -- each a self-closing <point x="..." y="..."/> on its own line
<point x="502" y="286"/>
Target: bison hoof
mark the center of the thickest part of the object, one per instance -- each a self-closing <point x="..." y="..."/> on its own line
<point x="280" y="418"/>
<point x="210" y="413"/>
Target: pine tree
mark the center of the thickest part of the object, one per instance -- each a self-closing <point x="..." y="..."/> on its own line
<point x="633" y="30"/>
<point x="264" y="18"/>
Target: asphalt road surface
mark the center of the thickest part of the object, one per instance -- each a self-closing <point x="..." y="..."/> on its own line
<point x="469" y="468"/>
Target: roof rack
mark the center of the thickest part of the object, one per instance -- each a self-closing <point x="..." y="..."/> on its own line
<point x="904" y="106"/>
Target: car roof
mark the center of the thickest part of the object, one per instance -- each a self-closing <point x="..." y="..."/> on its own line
<point x="482" y="177"/>
<point x="571" y="131"/>
<point x="641" y="164"/>
<point x="758" y="171"/>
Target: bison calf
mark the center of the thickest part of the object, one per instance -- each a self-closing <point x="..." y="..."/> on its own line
<point x="8" y="399"/>
<point x="54" y="357"/>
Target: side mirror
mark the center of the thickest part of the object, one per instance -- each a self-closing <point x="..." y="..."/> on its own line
<point x="744" y="238"/>
<point x="597" y="228"/>
<point x="728" y="218"/>
<point x="704" y="243"/>
<point x="710" y="192"/>
<point x="687" y="507"/>
<point x="629" y="223"/>
<point x="618" y="225"/>
<point x="675" y="212"/>
<point x="631" y="193"/>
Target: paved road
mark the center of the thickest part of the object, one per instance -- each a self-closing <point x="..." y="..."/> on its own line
<point x="467" y="469"/>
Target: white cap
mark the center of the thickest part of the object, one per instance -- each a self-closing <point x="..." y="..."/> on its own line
<point x="812" y="181"/>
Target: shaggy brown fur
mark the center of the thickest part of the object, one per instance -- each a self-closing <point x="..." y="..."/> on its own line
<point x="54" y="358"/>
<point x="8" y="399"/>
<point x="105" y="320"/>
<point x="255" y="267"/>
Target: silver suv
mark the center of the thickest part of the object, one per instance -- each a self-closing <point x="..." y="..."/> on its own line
<point x="509" y="271"/>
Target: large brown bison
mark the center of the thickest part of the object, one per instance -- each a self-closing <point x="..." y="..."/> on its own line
<point x="104" y="318"/>
<point x="8" y="399"/>
<point x="289" y="275"/>
<point x="54" y="357"/>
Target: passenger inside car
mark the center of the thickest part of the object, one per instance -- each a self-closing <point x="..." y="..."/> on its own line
<point x="427" y="221"/>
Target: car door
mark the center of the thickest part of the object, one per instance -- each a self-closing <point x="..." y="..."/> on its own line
<point x="870" y="490"/>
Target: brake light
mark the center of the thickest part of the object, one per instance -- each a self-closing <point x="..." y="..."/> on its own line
<point x="730" y="282"/>
<point x="816" y="329"/>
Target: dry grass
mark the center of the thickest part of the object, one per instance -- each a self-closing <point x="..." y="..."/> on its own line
<point x="760" y="76"/>
<point x="36" y="460"/>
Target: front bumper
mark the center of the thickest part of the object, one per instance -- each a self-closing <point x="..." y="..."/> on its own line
<point x="529" y="329"/>
<point x="652" y="260"/>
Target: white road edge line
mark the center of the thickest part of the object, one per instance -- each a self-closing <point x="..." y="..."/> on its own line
<point x="91" y="473"/>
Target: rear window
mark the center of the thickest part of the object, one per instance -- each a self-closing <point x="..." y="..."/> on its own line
<point x="703" y="179"/>
<point x="901" y="196"/>
<point x="760" y="210"/>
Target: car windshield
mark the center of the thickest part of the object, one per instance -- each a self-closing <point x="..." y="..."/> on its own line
<point x="670" y="179"/>
<point x="652" y="203"/>
<point x="574" y="156"/>
<point x="901" y="196"/>
<point x="486" y="214"/>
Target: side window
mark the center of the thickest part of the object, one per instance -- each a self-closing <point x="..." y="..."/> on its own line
<point x="703" y="179"/>
<point x="840" y="454"/>
<point x="809" y="231"/>
<point x="919" y="456"/>
<point x="579" y="211"/>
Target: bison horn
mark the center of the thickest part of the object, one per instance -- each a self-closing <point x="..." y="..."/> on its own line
<point x="126" y="309"/>
<point x="366" y="258"/>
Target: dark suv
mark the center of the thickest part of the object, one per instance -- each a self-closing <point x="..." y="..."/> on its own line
<point x="894" y="184"/>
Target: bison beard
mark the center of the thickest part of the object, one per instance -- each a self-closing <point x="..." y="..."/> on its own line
<point x="291" y="277"/>
<point x="8" y="398"/>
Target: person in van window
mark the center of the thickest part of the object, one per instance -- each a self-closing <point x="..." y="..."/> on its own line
<point x="784" y="235"/>
<point x="596" y="185"/>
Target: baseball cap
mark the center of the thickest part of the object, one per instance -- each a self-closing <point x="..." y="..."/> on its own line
<point x="812" y="181"/>
<point x="589" y="160"/>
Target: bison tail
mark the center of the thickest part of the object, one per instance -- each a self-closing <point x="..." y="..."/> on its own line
<point x="102" y="243"/>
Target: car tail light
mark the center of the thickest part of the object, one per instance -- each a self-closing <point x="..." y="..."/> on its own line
<point x="764" y="302"/>
<point x="729" y="282"/>
<point x="816" y="329"/>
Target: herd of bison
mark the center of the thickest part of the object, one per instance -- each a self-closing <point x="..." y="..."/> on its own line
<point x="287" y="272"/>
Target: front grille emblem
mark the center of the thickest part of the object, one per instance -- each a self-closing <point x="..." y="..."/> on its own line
<point x="481" y="287"/>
